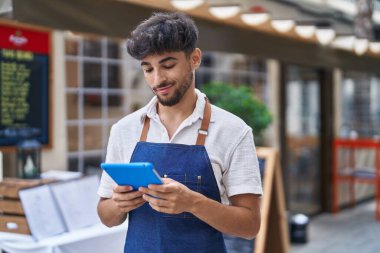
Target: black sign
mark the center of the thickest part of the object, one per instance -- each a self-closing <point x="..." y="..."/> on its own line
<point x="24" y="96"/>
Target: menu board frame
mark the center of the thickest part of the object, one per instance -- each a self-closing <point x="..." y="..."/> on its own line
<point x="273" y="235"/>
<point x="48" y="51"/>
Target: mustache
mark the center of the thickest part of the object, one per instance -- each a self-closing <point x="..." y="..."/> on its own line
<point x="163" y="84"/>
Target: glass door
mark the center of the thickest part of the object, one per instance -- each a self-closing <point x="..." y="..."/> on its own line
<point x="301" y="139"/>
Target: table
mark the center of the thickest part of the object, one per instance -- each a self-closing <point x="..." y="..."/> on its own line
<point x="95" y="239"/>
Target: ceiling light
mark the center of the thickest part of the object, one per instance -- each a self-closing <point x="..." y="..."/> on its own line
<point x="346" y="42"/>
<point x="305" y="31"/>
<point x="325" y="35"/>
<point x="374" y="47"/>
<point x="255" y="18"/>
<point x="72" y="35"/>
<point x="361" y="46"/>
<point x="186" y="5"/>
<point x="224" y="11"/>
<point x="283" y="26"/>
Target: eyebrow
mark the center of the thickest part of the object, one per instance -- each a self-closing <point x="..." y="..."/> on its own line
<point x="169" y="58"/>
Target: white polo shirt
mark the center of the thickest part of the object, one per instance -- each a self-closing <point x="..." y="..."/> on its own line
<point x="229" y="144"/>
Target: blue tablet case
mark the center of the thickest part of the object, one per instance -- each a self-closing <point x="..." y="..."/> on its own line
<point x="133" y="174"/>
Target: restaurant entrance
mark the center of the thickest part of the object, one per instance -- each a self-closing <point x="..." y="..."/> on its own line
<point x="306" y="126"/>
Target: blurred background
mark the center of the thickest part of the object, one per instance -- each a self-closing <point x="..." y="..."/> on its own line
<point x="313" y="64"/>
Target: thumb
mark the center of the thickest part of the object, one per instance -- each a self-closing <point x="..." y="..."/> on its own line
<point x="167" y="180"/>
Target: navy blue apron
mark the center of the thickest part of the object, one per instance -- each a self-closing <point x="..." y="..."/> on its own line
<point x="150" y="231"/>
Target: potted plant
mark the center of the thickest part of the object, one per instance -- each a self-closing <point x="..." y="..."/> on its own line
<point x="241" y="102"/>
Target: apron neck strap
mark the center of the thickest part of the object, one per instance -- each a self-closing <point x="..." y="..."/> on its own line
<point x="145" y="130"/>
<point x="202" y="132"/>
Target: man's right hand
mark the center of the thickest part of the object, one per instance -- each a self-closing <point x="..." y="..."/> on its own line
<point x="126" y="199"/>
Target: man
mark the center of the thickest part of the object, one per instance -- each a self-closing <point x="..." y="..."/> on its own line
<point x="205" y="155"/>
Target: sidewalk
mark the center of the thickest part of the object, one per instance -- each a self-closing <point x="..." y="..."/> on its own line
<point x="351" y="231"/>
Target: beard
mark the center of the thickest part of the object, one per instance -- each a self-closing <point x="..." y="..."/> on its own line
<point x="178" y="93"/>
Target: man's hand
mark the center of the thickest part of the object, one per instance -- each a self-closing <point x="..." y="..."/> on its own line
<point x="171" y="197"/>
<point x="242" y="218"/>
<point x="126" y="199"/>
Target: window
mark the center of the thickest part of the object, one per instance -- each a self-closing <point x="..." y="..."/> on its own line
<point x="103" y="84"/>
<point x="360" y="106"/>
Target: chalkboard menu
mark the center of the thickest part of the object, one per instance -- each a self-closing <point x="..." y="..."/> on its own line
<point x="24" y="84"/>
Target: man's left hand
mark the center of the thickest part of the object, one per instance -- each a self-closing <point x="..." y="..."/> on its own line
<point x="171" y="197"/>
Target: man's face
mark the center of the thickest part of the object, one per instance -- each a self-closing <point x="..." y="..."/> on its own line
<point x="169" y="75"/>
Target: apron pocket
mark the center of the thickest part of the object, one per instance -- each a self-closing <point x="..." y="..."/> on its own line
<point x="193" y="182"/>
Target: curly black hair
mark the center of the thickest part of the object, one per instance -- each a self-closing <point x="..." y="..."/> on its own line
<point x="163" y="32"/>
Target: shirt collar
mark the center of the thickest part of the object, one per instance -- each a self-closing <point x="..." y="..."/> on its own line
<point x="150" y="109"/>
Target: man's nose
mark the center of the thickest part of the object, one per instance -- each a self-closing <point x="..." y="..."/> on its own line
<point x="158" y="78"/>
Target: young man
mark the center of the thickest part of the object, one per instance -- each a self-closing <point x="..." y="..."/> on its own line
<point x="205" y="155"/>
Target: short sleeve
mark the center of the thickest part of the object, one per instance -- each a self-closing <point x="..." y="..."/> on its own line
<point x="107" y="184"/>
<point x="242" y="174"/>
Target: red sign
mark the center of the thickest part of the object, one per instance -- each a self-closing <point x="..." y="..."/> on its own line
<point x="25" y="39"/>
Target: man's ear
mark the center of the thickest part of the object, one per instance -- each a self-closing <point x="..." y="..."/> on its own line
<point x="196" y="58"/>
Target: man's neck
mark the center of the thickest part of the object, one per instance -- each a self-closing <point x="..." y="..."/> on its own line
<point x="172" y="116"/>
<point x="180" y="111"/>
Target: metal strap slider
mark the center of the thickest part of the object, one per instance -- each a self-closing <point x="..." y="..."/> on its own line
<point x="204" y="132"/>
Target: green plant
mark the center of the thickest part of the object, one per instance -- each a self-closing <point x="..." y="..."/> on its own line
<point x="241" y="102"/>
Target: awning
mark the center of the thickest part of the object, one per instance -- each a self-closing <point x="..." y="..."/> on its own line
<point x="118" y="18"/>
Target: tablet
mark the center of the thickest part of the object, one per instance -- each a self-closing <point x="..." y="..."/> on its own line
<point x="133" y="174"/>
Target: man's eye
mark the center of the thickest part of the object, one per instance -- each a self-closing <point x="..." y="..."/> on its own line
<point x="169" y="66"/>
<point x="148" y="70"/>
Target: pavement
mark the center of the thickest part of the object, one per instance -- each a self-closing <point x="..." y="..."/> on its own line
<point x="350" y="231"/>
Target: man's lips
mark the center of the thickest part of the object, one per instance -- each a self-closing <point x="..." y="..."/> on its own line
<point x="163" y="90"/>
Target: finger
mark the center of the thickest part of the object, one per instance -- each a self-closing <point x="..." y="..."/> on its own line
<point x="122" y="188"/>
<point x="167" y="180"/>
<point x="152" y="192"/>
<point x="157" y="208"/>
<point x="164" y="188"/>
<point x="127" y="196"/>
<point x="131" y="203"/>
<point x="130" y="208"/>
<point x="155" y="201"/>
<point x="162" y="209"/>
